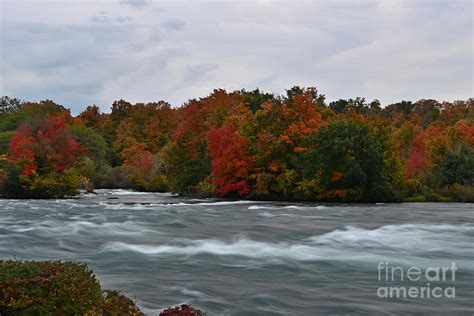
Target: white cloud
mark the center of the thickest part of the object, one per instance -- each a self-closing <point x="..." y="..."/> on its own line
<point x="84" y="52"/>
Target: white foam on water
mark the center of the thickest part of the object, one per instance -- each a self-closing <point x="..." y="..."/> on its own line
<point x="350" y="243"/>
<point x="259" y="207"/>
<point x="124" y="192"/>
<point x="130" y="206"/>
<point x="189" y="292"/>
<point x="126" y="227"/>
<point x="77" y="227"/>
<point x="293" y="215"/>
<point x="219" y="203"/>
<point x="297" y="207"/>
<point x="267" y="214"/>
<point x="303" y="207"/>
<point x="244" y="247"/>
<point x="72" y="205"/>
<point x="147" y="206"/>
<point x="403" y="238"/>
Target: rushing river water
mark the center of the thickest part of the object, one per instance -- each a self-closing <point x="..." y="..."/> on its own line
<point x="253" y="258"/>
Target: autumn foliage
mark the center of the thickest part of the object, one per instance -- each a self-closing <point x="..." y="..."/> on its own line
<point x="43" y="152"/>
<point x="22" y="150"/>
<point x="181" y="310"/>
<point x="243" y="144"/>
<point x="417" y="161"/>
<point x="230" y="162"/>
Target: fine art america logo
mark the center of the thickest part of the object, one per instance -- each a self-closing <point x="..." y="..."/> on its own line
<point x="434" y="280"/>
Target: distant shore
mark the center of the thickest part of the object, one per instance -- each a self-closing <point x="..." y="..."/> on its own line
<point x="128" y="196"/>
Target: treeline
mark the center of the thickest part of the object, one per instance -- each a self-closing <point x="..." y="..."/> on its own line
<point x="243" y="144"/>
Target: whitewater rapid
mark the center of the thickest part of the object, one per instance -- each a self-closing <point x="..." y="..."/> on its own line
<point x="245" y="257"/>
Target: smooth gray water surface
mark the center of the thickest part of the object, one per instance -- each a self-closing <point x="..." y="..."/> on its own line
<point x="249" y="258"/>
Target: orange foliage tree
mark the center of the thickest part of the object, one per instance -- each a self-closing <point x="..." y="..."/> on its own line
<point x="230" y="162"/>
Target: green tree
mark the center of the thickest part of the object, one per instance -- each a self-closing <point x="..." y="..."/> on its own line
<point x="10" y="105"/>
<point x="256" y="98"/>
<point x="185" y="169"/>
<point x="458" y="167"/>
<point x="347" y="164"/>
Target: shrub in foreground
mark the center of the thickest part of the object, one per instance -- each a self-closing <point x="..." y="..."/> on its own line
<point x="64" y="288"/>
<point x="57" y="288"/>
<point x="181" y="310"/>
<point x="114" y="303"/>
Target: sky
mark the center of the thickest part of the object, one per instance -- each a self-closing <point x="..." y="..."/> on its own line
<point x="80" y="53"/>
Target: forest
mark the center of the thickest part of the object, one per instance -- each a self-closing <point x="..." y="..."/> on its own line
<point x="243" y="144"/>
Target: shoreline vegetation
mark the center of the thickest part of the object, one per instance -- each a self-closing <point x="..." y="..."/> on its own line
<point x="243" y="145"/>
<point x="65" y="288"/>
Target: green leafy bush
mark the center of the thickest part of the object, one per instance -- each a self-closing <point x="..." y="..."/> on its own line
<point x="429" y="196"/>
<point x="55" y="185"/>
<point x="57" y="288"/>
<point x="114" y="303"/>
<point x="48" y="288"/>
<point x="52" y="185"/>
<point x="458" y="192"/>
<point x="416" y="198"/>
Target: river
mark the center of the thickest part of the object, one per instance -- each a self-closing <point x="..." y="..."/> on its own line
<point x="254" y="258"/>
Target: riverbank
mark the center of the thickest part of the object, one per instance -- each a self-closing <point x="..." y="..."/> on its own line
<point x="463" y="194"/>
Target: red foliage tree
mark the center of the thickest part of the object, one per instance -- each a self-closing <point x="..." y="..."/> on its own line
<point x="22" y="150"/>
<point x="140" y="159"/>
<point x="418" y="161"/>
<point x="49" y="147"/>
<point x="230" y="164"/>
<point x="465" y="129"/>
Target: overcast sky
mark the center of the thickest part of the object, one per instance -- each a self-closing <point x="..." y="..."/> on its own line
<point x="94" y="52"/>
